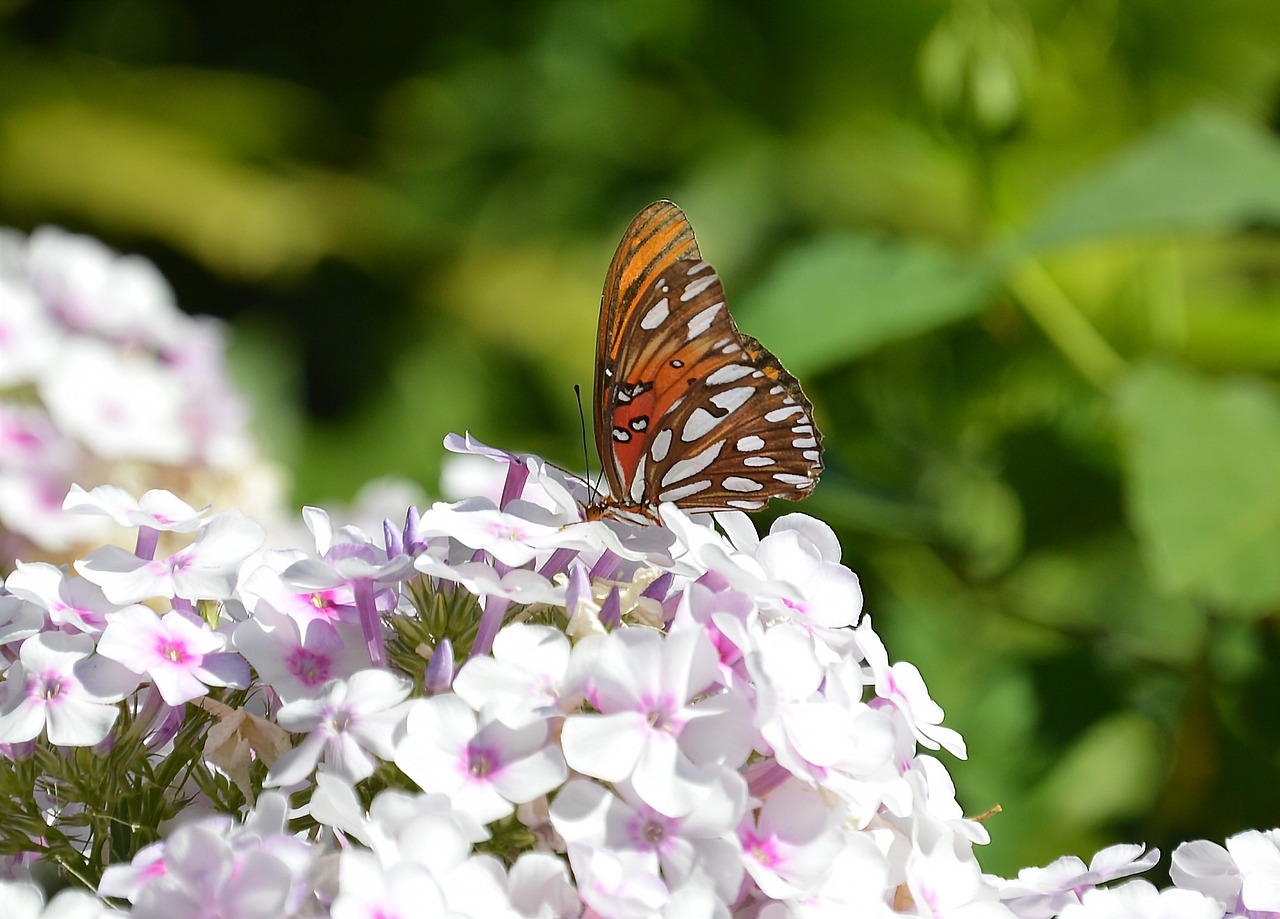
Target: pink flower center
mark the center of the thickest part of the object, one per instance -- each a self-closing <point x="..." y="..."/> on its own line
<point x="310" y="668"/>
<point x="765" y="851"/>
<point x="174" y="651"/>
<point x="482" y="762"/>
<point x="47" y="686"/>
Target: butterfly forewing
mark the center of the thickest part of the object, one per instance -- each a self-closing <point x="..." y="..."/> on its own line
<point x="687" y="408"/>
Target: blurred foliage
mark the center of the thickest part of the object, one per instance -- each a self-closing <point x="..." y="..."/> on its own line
<point x="1025" y="257"/>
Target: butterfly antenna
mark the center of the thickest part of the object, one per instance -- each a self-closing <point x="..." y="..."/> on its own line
<point x="582" y="427"/>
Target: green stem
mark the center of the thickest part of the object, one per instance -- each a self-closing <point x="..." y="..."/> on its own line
<point x="1063" y="324"/>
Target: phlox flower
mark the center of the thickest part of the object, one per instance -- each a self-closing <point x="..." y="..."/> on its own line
<point x="521" y="681"/>
<point x="264" y="584"/>
<point x="1139" y="899"/>
<point x="486" y="768"/>
<point x="701" y="847"/>
<point x="369" y="890"/>
<point x="617" y="883"/>
<point x="1244" y="876"/>
<point x="945" y="881"/>
<point x="91" y="288"/>
<point x="901" y="686"/>
<point x="349" y="558"/>
<point x="795" y="570"/>
<point x="28" y="340"/>
<point x="25" y="899"/>
<point x="424" y="828"/>
<point x="207" y="874"/>
<point x="56" y="687"/>
<point x="206" y="569"/>
<point x="19" y="619"/>
<point x="178" y="651"/>
<point x="654" y="722"/>
<point x="122" y="405"/>
<point x="71" y="603"/>
<point x="790" y="845"/>
<point x="807" y="733"/>
<point x="294" y="664"/>
<point x="1039" y="893"/>
<point x="858" y="884"/>
<point x="349" y="726"/>
<point x="538" y="887"/>
<point x="157" y="508"/>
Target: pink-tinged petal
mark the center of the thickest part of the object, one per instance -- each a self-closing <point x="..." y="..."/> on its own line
<point x="818" y="533"/>
<point x="297" y="764"/>
<point x="448" y="720"/>
<point x="719" y="730"/>
<point x="531" y="776"/>
<point x="1207" y="867"/>
<point x="123" y="577"/>
<point x="604" y="746"/>
<point x="23" y="719"/>
<point x="177" y="685"/>
<point x="377" y="690"/>
<point x="228" y="539"/>
<point x="224" y="668"/>
<point x="105" y="680"/>
<point x="666" y="780"/>
<point x="77" y="722"/>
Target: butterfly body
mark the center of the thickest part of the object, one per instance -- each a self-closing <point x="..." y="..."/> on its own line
<point x="687" y="409"/>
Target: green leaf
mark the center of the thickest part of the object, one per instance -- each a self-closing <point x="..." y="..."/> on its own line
<point x="1206" y="171"/>
<point x="842" y="296"/>
<point x="1203" y="468"/>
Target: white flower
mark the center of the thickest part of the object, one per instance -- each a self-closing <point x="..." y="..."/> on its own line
<point x="522" y="680"/>
<point x="486" y="768"/>
<point x="157" y="508"/>
<point x="1140" y="900"/>
<point x="122" y="406"/>
<point x="350" y="725"/>
<point x="55" y="687"/>
<point x="206" y="569"/>
<point x="655" y="722"/>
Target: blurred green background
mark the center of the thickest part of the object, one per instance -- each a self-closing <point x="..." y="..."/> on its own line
<point x="1025" y="258"/>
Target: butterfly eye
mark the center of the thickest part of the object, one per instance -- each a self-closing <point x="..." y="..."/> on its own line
<point x="666" y="335"/>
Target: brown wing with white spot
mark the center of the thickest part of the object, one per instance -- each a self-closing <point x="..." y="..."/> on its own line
<point x="688" y="409"/>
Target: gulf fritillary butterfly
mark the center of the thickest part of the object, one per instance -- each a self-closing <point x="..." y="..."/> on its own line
<point x="687" y="408"/>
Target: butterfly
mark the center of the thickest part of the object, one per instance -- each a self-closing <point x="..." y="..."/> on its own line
<point x="687" y="409"/>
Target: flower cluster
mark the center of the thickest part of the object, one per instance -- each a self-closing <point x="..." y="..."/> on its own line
<point x="103" y="379"/>
<point x="501" y="709"/>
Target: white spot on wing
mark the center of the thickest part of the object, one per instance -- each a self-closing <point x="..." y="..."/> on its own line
<point x="731" y="399"/>
<point x="661" y="444"/>
<point x="781" y="414"/>
<point x="700" y="266"/>
<point x="727" y="374"/>
<point x="758" y="461"/>
<point x="749" y="443"/>
<point x="684" y="491"/>
<point x="788" y="478"/>
<point x="741" y="483"/>
<point x="691" y="466"/>
<point x="699" y="425"/>
<point x="697" y="287"/>
<point x="701" y="322"/>
<point x="746" y="505"/>
<point x="802" y="442"/>
<point x="656" y="316"/>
